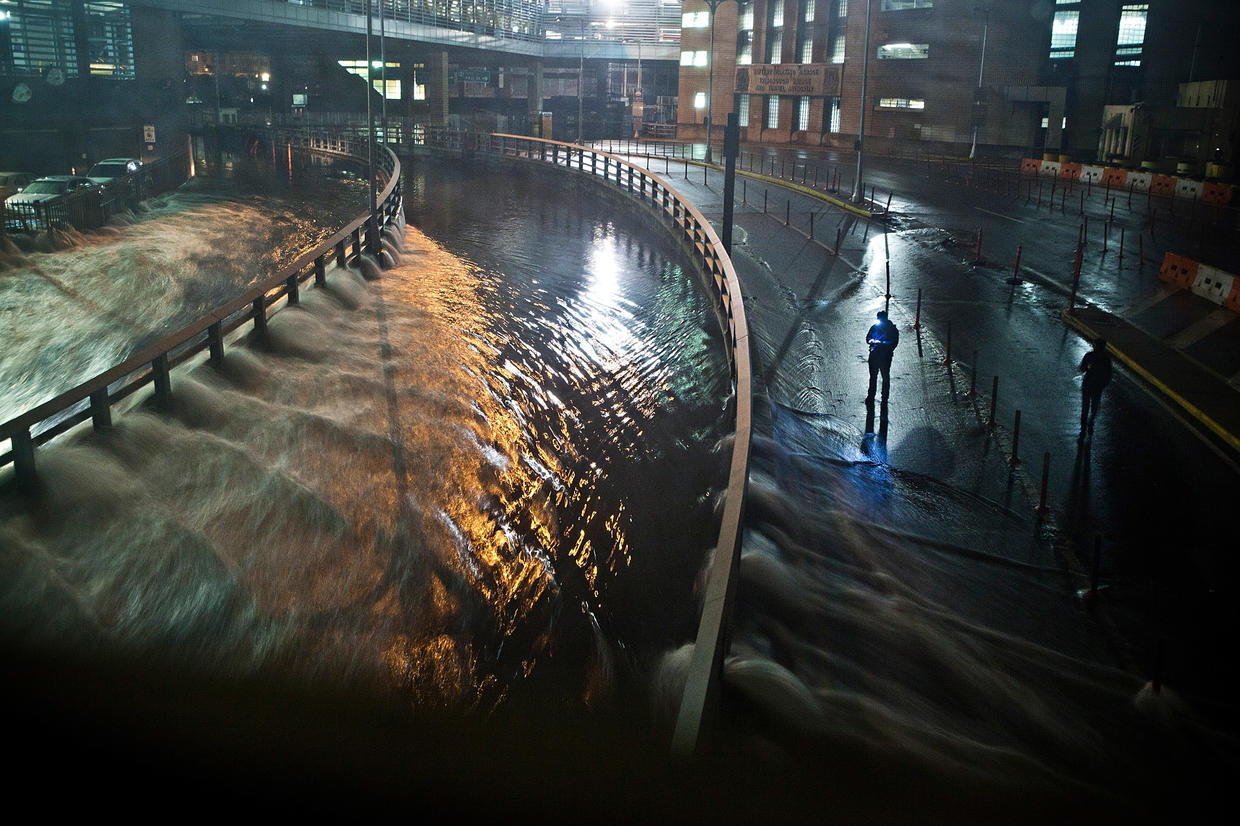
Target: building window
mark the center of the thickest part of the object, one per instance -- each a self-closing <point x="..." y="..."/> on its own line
<point x="841" y="8"/>
<point x="1063" y="29"/>
<point x="694" y="58"/>
<point x="699" y="100"/>
<point x="807" y="13"/>
<point x="904" y="5"/>
<point x="834" y="123"/>
<point x="777" y="14"/>
<point x="901" y="103"/>
<point x="695" y="20"/>
<point x="774" y="46"/>
<point x="772" y="111"/>
<point x="1131" y="34"/>
<point x="803" y="114"/>
<point x="837" y="49"/>
<point x="904" y="51"/>
<point x="746" y="18"/>
<point x="744" y="48"/>
<point x="742" y="110"/>
<point x="806" y="50"/>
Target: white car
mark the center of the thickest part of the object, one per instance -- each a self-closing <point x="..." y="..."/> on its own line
<point x="50" y="188"/>
<point x="106" y="171"/>
<point x="13" y="182"/>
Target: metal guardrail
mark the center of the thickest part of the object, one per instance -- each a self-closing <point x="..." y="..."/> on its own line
<point x="92" y="400"/>
<point x="700" y="697"/>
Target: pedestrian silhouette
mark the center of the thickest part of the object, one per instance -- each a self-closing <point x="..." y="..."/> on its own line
<point x="1096" y="365"/>
<point x="882" y="339"/>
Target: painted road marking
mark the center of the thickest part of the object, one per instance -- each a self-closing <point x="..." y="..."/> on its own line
<point x="1000" y="215"/>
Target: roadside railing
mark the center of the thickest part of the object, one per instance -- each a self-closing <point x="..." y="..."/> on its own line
<point x="93" y="399"/>
<point x="700" y="698"/>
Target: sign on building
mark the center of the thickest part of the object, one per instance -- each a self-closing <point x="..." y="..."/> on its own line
<point x="800" y="79"/>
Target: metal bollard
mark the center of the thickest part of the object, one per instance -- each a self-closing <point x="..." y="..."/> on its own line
<point x="1014" y="459"/>
<point x="1015" y="279"/>
<point x="788" y="212"/>
<point x="947" y="358"/>
<point x="973" y="378"/>
<point x="994" y="397"/>
<point x="1041" y="510"/>
<point x="765" y="193"/>
<point x="838" y="231"/>
<point x="978" y="257"/>
<point x="811" y="225"/>
<point x="916" y="318"/>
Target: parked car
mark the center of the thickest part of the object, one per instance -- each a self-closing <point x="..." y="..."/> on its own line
<point x="13" y="182"/>
<point x="48" y="202"/>
<point x="106" y="171"/>
<point x="51" y="187"/>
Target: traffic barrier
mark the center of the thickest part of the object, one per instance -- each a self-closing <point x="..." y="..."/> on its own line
<point x="1140" y="181"/>
<point x="1162" y="185"/>
<point x="1092" y="174"/>
<point x="1178" y="271"/>
<point x="1232" y="301"/>
<point x="1213" y="284"/>
<point x="1050" y="168"/>
<point x="1030" y="166"/>
<point x="1069" y="171"/>
<point x="1188" y="188"/>
<point x="1114" y="178"/>
<point x="1216" y="193"/>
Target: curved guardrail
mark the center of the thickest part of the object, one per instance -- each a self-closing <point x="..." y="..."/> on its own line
<point x="92" y="399"/>
<point x="700" y="698"/>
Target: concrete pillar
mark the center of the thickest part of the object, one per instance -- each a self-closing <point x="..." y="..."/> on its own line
<point x="535" y="97"/>
<point x="437" y="87"/>
<point x="159" y="65"/>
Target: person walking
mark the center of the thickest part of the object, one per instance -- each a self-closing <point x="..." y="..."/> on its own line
<point x="882" y="338"/>
<point x="1096" y="365"/>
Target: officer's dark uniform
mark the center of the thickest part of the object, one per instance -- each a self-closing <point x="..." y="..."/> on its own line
<point x="1096" y="365"/>
<point x="882" y="338"/>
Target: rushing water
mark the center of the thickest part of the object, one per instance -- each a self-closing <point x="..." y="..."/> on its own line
<point x="484" y="479"/>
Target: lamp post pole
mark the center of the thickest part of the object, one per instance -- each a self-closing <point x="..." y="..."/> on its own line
<point x="710" y="73"/>
<point x="371" y="228"/>
<point x="977" y="98"/>
<point x="858" y="194"/>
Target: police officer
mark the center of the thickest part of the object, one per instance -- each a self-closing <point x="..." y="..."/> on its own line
<point x="882" y="339"/>
<point x="1096" y="365"/>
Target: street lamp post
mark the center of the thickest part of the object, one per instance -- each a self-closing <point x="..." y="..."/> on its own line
<point x="858" y="194"/>
<point x="977" y="98"/>
<point x="710" y="72"/>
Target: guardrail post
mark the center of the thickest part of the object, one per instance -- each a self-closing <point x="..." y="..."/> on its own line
<point x="100" y="410"/>
<point x="215" y="344"/>
<point x="162" y="379"/>
<point x="260" y="314"/>
<point x="342" y="256"/>
<point x="320" y="272"/>
<point x="291" y="287"/>
<point x="23" y="458"/>
<point x="1015" y="458"/>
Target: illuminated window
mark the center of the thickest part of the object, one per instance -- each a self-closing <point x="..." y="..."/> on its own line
<point x="803" y="113"/>
<point x="742" y="110"/>
<point x="746" y="18"/>
<point x="694" y="58"/>
<point x="807" y="13"/>
<point x="904" y="5"/>
<point x="904" y="51"/>
<point x="744" y="47"/>
<point x="1131" y="34"/>
<point x="774" y="45"/>
<point x="699" y="100"/>
<point x="777" y="14"/>
<point x="1063" y="29"/>
<point x="806" y="54"/>
<point x="772" y="111"/>
<point x="835" y="115"/>
<point x="837" y="49"/>
<point x="841" y="8"/>
<point x="695" y="20"/>
<point x="901" y="103"/>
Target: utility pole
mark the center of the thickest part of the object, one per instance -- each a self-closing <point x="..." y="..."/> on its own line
<point x="858" y="194"/>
